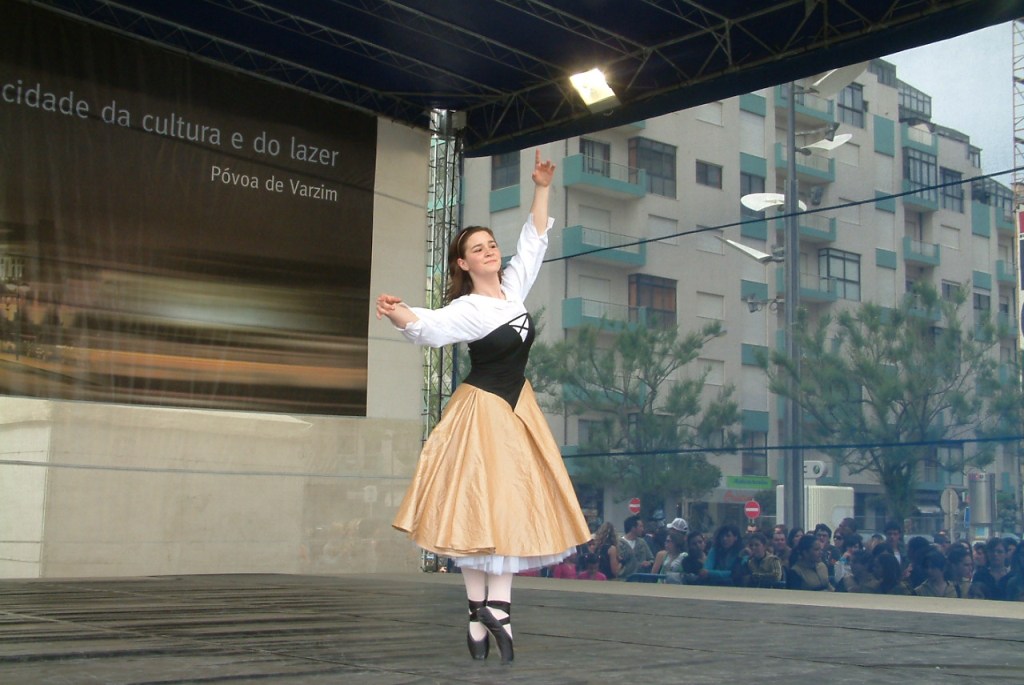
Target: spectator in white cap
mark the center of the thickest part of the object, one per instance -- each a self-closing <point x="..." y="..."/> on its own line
<point x="679" y="525"/>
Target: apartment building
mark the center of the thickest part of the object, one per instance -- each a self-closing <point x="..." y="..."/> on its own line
<point x="665" y="190"/>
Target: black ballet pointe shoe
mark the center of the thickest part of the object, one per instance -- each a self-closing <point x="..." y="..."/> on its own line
<point x="497" y="627"/>
<point x="478" y="649"/>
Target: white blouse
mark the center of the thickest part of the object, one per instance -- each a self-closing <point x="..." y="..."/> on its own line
<point x="472" y="317"/>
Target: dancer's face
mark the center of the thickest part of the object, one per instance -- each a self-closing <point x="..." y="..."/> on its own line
<point x="481" y="255"/>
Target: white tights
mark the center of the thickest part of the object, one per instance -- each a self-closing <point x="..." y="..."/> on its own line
<point x="481" y="586"/>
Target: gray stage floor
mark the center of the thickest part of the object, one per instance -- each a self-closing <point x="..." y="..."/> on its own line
<point x="410" y="629"/>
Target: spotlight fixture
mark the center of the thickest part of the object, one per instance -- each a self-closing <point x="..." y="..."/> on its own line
<point x="597" y="95"/>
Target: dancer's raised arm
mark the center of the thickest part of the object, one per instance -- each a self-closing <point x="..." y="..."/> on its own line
<point x="543" y="174"/>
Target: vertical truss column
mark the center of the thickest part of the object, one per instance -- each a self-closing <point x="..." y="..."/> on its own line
<point x="440" y="368"/>
<point x="1018" y="112"/>
<point x="1018" y="162"/>
<point x="1018" y="206"/>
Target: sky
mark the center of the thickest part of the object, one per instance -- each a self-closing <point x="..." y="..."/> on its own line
<point x="970" y="79"/>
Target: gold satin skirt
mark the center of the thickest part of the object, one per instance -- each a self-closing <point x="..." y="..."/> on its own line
<point x="491" y="482"/>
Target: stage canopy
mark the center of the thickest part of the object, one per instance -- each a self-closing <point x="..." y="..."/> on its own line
<point x="506" y="64"/>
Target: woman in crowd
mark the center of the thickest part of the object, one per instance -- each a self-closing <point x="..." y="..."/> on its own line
<point x="889" y="574"/>
<point x="917" y="549"/>
<point x="980" y="558"/>
<point x="591" y="570"/>
<point x="990" y="580"/>
<point x="694" y="572"/>
<point x="807" y="571"/>
<point x="1015" y="583"/>
<point x="859" y="579"/>
<point x="961" y="569"/>
<point x="490" y="488"/>
<point x="849" y="544"/>
<point x="607" y="550"/>
<point x="668" y="563"/>
<point x="759" y="568"/>
<point x="793" y="539"/>
<point x="724" y="556"/>
<point x="936" y="583"/>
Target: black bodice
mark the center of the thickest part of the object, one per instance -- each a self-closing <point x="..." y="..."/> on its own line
<point x="499" y="359"/>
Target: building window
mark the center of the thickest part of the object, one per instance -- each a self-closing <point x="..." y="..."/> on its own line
<point x="755" y="454"/>
<point x="750" y="183"/>
<point x="709" y="174"/>
<point x="993" y="194"/>
<point x="950" y="291"/>
<point x="913" y="104"/>
<point x="851" y="105"/>
<point x="842" y="269"/>
<point x="920" y="169"/>
<point x="885" y="71"/>
<point x="952" y="190"/>
<point x="951" y="458"/>
<point x="653" y="430"/>
<point x="589" y="431"/>
<point x="504" y="170"/>
<point x="597" y="157"/>
<point x="652" y="300"/>
<point x="659" y="161"/>
<point x="974" y="156"/>
<point x="929" y="470"/>
<point x="982" y="305"/>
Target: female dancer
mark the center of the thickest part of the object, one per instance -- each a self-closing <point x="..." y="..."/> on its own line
<point x="490" y="490"/>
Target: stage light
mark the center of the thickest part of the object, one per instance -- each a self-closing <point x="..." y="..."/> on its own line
<point x="597" y="95"/>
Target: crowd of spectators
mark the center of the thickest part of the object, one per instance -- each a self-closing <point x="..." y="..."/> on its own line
<point x="821" y="560"/>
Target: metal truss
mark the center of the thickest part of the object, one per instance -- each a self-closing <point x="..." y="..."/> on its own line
<point x="505" y="63"/>
<point x="1018" y="114"/>
<point x="168" y="32"/>
<point x="440" y="367"/>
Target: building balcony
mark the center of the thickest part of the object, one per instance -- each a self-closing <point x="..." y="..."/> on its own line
<point x="812" y="168"/>
<point x="922" y="200"/>
<point x="603" y="247"/>
<point x="813" y="288"/>
<point x="919" y="139"/>
<point x="811" y="110"/>
<point x="1006" y="323"/>
<point x="813" y="228"/>
<point x="918" y="310"/>
<point x="578" y="312"/>
<point x="603" y="178"/>
<point x="920" y="253"/>
<point x="1004" y="223"/>
<point x="1006" y="272"/>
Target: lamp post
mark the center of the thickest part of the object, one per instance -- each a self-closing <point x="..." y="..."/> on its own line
<point x="824" y="85"/>
<point x="793" y="501"/>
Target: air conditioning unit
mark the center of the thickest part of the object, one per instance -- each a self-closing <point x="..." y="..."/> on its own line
<point x="828" y="504"/>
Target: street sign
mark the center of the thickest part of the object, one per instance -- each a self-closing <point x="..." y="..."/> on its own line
<point x="634" y="505"/>
<point x="752" y="509"/>
<point x="950" y="501"/>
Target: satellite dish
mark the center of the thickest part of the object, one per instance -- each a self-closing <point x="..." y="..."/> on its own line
<point x="759" y="202"/>
<point x="834" y="80"/>
<point x="829" y="145"/>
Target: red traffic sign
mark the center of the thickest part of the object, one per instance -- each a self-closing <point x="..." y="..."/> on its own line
<point x="752" y="509"/>
<point x="634" y="505"/>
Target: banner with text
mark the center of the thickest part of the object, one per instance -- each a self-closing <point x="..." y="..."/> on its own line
<point x="176" y="234"/>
